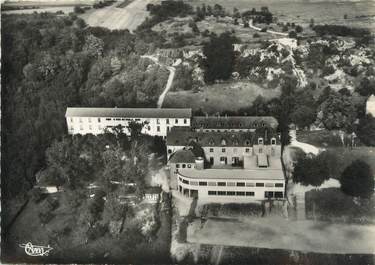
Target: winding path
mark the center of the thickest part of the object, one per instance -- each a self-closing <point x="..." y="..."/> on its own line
<point x="172" y="72"/>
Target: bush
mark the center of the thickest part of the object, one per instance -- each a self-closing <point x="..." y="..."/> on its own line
<point x="256" y="35"/>
<point x="358" y="180"/>
<point x="78" y="10"/>
<point x="52" y="203"/>
<point x="292" y="34"/>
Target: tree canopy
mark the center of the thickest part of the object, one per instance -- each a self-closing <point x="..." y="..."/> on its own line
<point x="358" y="180"/>
<point x="311" y="170"/>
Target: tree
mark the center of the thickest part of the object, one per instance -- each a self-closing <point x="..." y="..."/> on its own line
<point x="292" y="34"/>
<point x="311" y="170"/>
<point x="366" y="130"/>
<point x="219" y="53"/>
<point x="299" y="29"/>
<point x="358" y="180"/>
<point x="339" y="112"/>
<point x="303" y="116"/>
<point x="366" y="87"/>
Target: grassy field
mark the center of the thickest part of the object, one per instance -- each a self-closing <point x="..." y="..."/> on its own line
<point x="113" y="17"/>
<point x="359" y="13"/>
<point x="219" y="97"/>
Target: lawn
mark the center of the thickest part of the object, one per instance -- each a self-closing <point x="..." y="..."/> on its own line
<point x="333" y="205"/>
<point x="219" y="97"/>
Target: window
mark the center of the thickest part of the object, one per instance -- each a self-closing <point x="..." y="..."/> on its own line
<point x="80" y="119"/>
<point x="99" y="120"/>
<point x="279" y="194"/>
<point x="72" y="128"/>
<point x="189" y="165"/>
<point x="81" y="127"/>
<point x="176" y="121"/>
<point x="149" y="128"/>
<point x="183" y="165"/>
<point x="231" y="184"/>
<point x="185" y="181"/>
<point x="202" y="183"/>
<point x="240" y="193"/>
<point x="223" y="142"/>
<point x="247" y="150"/>
<point x="273" y="141"/>
<point x="223" y="159"/>
<point x="90" y="127"/>
<point x="259" y="184"/>
<point x="235" y="150"/>
<point x="158" y="128"/>
<point x="221" y="183"/>
<point x="211" y="192"/>
<point x="211" y="183"/>
<point x="240" y="184"/>
<point x="108" y="119"/>
<point x="71" y="119"/>
<point x="185" y="121"/>
<point x="223" y="150"/>
<point x="260" y="150"/>
<point x="279" y="185"/>
<point x="157" y="121"/>
<point x="177" y="165"/>
<point x="249" y="193"/>
<point x="250" y="184"/>
<point x="268" y="194"/>
<point x="167" y="121"/>
<point x="260" y="140"/>
<point x="221" y="193"/>
<point x="168" y="129"/>
<point x="270" y="185"/>
<point x="194" y="183"/>
<point x="231" y="193"/>
<point x="211" y="150"/>
<point x="247" y="142"/>
<point x="169" y="151"/>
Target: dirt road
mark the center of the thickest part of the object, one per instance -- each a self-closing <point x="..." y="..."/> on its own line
<point x="113" y="17"/>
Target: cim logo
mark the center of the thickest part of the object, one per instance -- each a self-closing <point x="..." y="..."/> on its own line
<point x="35" y="251"/>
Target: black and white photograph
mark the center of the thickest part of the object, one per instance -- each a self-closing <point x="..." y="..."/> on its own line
<point x="188" y="132"/>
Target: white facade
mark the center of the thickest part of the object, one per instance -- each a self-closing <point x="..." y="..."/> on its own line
<point x="97" y="125"/>
<point x="81" y="123"/>
<point x="236" y="188"/>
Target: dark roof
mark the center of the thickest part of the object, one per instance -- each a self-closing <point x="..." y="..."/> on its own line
<point x="182" y="136"/>
<point x="154" y="190"/>
<point x="128" y="112"/>
<point x="182" y="156"/>
<point x="233" y="122"/>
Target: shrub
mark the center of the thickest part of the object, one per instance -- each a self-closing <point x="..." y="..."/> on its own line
<point x="78" y="10"/>
<point x="45" y="216"/>
<point x="357" y="180"/>
<point x="256" y="35"/>
<point x="52" y="203"/>
<point x="96" y="231"/>
<point x="36" y="195"/>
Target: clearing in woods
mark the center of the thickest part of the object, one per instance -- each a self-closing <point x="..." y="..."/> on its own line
<point x="115" y="17"/>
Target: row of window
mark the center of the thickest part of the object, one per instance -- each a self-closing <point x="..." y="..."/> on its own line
<point x="231" y="193"/>
<point x="221" y="124"/>
<point x="247" y="142"/>
<point x="232" y="184"/>
<point x="126" y="119"/>
<point x="267" y="194"/>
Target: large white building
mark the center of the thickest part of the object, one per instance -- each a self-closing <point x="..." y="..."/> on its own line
<point x="226" y="167"/>
<point x="97" y="120"/>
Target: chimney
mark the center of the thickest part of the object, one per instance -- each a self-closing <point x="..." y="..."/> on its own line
<point x="199" y="163"/>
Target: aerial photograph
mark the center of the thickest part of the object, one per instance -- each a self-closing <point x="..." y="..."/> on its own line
<point x="188" y="132"/>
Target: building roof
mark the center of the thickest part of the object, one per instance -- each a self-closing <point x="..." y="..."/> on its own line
<point x="233" y="122"/>
<point x="182" y="156"/>
<point x="235" y="174"/>
<point x="262" y="160"/>
<point x="183" y="136"/>
<point x="128" y="112"/>
<point x="254" y="161"/>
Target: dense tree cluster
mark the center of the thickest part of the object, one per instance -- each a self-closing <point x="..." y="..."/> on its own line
<point x="358" y="180"/>
<point x="219" y="57"/>
<point x="261" y="16"/>
<point x="340" y="30"/>
<point x="311" y="170"/>
<point x="50" y="63"/>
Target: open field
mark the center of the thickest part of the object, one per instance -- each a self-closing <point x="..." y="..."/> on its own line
<point x="360" y="13"/>
<point x="279" y="233"/>
<point x="113" y="17"/>
<point x="219" y="97"/>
